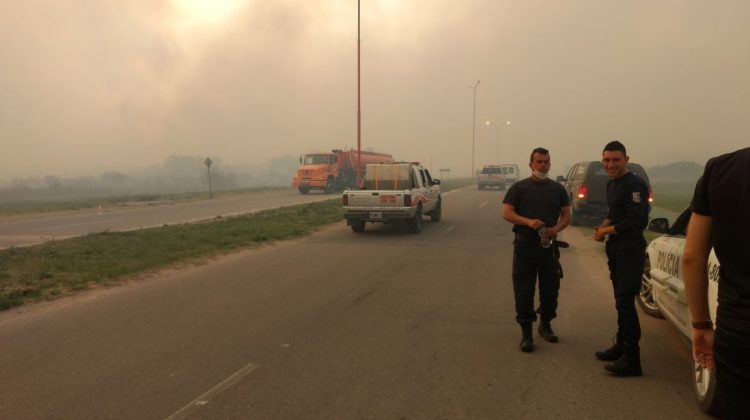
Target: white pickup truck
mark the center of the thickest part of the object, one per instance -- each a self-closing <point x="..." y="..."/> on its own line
<point x="393" y="191"/>
<point x="497" y="176"/>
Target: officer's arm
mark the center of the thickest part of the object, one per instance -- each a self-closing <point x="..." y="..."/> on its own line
<point x="695" y="275"/>
<point x="695" y="265"/>
<point x="509" y="214"/>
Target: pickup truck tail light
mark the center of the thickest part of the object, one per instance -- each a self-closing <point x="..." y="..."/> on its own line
<point x="345" y="199"/>
<point x="650" y="196"/>
<point x="583" y="191"/>
<point x="407" y="200"/>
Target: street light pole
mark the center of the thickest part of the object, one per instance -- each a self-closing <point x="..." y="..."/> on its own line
<point x="359" y="112"/>
<point x="473" y="128"/>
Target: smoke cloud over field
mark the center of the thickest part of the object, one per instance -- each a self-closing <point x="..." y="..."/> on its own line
<point x="111" y="87"/>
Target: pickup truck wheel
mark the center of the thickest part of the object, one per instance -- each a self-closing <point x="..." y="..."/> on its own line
<point x="646" y="294"/>
<point x="437" y="213"/>
<point x="415" y="224"/>
<point x="304" y="190"/>
<point x="704" y="385"/>
<point x="358" y="226"/>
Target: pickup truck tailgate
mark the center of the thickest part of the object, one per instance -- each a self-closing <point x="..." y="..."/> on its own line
<point x="375" y="200"/>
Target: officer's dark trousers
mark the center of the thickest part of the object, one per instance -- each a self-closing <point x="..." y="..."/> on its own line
<point x="529" y="261"/>
<point x="732" y="355"/>
<point x="626" y="258"/>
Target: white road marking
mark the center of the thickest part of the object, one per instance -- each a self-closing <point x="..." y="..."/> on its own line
<point x="216" y="390"/>
<point x="483" y="204"/>
<point x="450" y="228"/>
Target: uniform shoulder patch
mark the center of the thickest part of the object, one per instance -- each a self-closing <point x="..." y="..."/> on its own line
<point x="637" y="197"/>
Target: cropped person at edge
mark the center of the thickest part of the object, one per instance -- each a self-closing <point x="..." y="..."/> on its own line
<point x="721" y="205"/>
<point x="539" y="209"/>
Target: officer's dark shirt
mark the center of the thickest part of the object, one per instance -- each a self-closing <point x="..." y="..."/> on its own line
<point x="627" y="197"/>
<point x="723" y="192"/>
<point x="536" y="200"/>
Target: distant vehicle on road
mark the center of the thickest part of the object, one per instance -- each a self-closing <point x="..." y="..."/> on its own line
<point x="333" y="171"/>
<point x="586" y="184"/>
<point x="663" y="294"/>
<point x="497" y="176"/>
<point x="393" y="191"/>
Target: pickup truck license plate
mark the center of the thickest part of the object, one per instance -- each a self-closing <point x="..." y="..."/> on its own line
<point x="376" y="215"/>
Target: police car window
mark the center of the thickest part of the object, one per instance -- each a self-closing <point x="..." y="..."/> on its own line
<point x="429" y="178"/>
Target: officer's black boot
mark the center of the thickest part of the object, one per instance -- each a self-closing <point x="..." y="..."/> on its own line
<point x="527" y="340"/>
<point x="611" y="354"/>
<point x="545" y="330"/>
<point x="629" y="364"/>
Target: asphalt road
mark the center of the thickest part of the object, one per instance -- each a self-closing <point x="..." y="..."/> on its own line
<point x="32" y="229"/>
<point x="380" y="325"/>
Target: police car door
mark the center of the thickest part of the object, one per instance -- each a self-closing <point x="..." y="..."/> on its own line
<point x="666" y="275"/>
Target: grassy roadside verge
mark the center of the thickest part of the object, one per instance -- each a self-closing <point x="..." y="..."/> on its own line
<point x="58" y="268"/>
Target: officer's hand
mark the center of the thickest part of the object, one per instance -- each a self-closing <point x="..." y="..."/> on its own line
<point x="598" y="237"/>
<point x="550" y="232"/>
<point x="535" y="224"/>
<point x="703" y="348"/>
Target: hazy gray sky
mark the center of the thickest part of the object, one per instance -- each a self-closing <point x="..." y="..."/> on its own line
<point x="94" y="85"/>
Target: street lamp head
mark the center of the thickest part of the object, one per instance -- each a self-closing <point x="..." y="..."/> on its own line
<point x="507" y="123"/>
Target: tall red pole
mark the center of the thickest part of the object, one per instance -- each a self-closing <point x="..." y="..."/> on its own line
<point x="359" y="113"/>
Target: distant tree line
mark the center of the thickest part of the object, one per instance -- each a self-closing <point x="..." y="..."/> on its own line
<point x="177" y="174"/>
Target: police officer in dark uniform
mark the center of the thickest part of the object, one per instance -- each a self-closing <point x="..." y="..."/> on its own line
<point x="539" y="209"/>
<point x="627" y="197"/>
<point x="721" y="205"/>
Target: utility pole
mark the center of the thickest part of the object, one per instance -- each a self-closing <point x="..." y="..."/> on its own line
<point x="473" y="128"/>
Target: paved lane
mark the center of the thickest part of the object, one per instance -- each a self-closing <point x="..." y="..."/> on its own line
<point x="32" y="229"/>
<point x="339" y="325"/>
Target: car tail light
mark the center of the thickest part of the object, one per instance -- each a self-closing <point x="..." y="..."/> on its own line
<point x="407" y="200"/>
<point x="650" y="196"/>
<point x="346" y="199"/>
<point x="583" y="191"/>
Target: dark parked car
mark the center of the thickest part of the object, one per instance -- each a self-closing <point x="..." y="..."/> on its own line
<point x="586" y="184"/>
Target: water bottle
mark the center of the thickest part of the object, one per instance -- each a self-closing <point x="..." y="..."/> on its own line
<point x="544" y="241"/>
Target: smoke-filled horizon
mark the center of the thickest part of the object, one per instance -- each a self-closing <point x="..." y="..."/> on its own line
<point x="90" y="87"/>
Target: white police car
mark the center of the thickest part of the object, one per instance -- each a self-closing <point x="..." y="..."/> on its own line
<point x="663" y="293"/>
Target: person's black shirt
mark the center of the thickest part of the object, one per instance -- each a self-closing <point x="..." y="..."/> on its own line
<point x="537" y="200"/>
<point x="723" y="193"/>
<point x="627" y="197"/>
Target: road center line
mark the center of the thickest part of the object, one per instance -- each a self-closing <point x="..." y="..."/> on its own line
<point x="450" y="228"/>
<point x="204" y="398"/>
<point x="483" y="204"/>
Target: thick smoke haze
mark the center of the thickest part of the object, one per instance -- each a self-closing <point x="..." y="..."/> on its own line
<point x="95" y="86"/>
